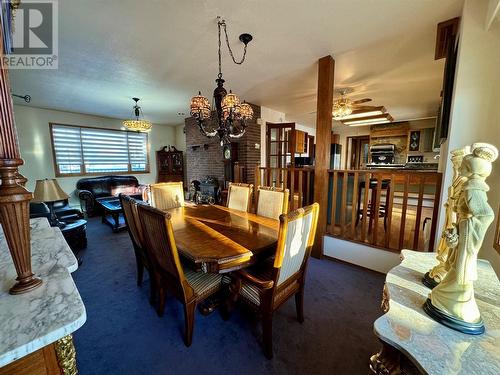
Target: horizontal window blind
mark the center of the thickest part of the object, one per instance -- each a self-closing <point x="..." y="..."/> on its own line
<point x="81" y="150"/>
<point x="67" y="147"/>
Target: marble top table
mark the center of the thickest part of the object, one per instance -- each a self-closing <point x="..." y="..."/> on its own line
<point x="430" y="346"/>
<point x="33" y="320"/>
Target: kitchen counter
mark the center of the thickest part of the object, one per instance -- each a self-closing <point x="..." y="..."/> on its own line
<point x="431" y="167"/>
<point x="31" y="321"/>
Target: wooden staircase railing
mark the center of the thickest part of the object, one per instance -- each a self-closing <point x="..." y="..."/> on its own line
<point x="299" y="181"/>
<point x="389" y="209"/>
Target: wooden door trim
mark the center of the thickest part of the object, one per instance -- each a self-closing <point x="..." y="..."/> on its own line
<point x="280" y="126"/>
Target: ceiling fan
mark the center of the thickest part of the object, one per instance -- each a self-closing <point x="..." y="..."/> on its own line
<point x="343" y="106"/>
<point x="354" y="113"/>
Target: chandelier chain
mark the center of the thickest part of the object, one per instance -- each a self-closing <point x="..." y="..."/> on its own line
<point x="223" y="24"/>
<point x="220" y="55"/>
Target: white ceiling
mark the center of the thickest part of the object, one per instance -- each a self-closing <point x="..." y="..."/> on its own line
<point x="165" y="51"/>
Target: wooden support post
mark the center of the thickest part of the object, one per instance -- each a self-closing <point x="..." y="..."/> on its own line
<point x="14" y="198"/>
<point x="326" y="68"/>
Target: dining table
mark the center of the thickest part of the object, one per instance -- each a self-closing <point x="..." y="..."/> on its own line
<point x="218" y="239"/>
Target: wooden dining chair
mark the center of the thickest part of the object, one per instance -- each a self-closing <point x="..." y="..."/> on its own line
<point x="266" y="286"/>
<point x="166" y="195"/>
<point x="271" y="201"/>
<point x="188" y="286"/>
<point x="130" y="213"/>
<point x="239" y="196"/>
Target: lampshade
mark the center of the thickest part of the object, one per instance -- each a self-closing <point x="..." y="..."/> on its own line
<point x="48" y="190"/>
<point x="200" y="107"/>
<point x="138" y="124"/>
<point x="246" y="111"/>
<point x="230" y="103"/>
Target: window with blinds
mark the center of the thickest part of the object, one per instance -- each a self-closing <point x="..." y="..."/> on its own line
<point x="82" y="150"/>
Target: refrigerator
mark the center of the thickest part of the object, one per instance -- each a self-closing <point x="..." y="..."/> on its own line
<point x="335" y="155"/>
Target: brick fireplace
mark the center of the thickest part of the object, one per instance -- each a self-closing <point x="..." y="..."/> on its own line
<point x="204" y="155"/>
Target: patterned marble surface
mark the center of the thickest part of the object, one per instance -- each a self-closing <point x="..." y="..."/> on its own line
<point x="432" y="347"/>
<point x="31" y="321"/>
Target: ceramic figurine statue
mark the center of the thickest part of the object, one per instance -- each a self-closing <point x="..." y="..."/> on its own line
<point x="435" y="275"/>
<point x="452" y="302"/>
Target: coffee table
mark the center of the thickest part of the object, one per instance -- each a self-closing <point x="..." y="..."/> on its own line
<point x="112" y="213"/>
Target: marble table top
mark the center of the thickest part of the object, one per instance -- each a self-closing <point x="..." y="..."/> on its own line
<point x="432" y="347"/>
<point x="33" y="320"/>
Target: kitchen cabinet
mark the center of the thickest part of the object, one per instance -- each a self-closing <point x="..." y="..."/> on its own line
<point x="298" y="145"/>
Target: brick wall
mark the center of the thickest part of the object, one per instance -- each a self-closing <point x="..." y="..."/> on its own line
<point x="248" y="155"/>
<point x="207" y="160"/>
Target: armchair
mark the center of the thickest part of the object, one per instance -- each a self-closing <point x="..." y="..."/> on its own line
<point x="271" y="201"/>
<point x="62" y="210"/>
<point x="166" y="195"/>
<point x="266" y="286"/>
<point x="69" y="220"/>
<point x="239" y="196"/>
<point x="131" y="215"/>
<point x="65" y="213"/>
<point x="168" y="273"/>
<point x="39" y="209"/>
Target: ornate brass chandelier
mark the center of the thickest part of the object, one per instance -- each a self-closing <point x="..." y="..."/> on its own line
<point x="342" y="107"/>
<point x="227" y="116"/>
<point x="138" y="124"/>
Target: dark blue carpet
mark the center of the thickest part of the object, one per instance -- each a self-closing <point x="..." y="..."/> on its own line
<point x="123" y="334"/>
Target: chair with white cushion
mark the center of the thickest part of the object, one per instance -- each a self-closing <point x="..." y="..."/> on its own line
<point x="167" y="195"/>
<point x="239" y="196"/>
<point x="271" y="201"/>
<point x="186" y="285"/>
<point x="266" y="286"/>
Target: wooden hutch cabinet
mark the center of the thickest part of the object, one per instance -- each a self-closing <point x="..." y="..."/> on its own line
<point x="169" y="165"/>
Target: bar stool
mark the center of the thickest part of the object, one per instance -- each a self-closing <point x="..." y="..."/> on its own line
<point x="382" y="212"/>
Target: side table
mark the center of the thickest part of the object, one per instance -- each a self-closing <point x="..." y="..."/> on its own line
<point x="412" y="342"/>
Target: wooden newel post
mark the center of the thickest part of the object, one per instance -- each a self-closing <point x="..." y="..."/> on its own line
<point x="326" y="68"/>
<point x="14" y="198"/>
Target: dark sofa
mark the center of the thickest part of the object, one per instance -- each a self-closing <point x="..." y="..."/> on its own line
<point x="88" y="189"/>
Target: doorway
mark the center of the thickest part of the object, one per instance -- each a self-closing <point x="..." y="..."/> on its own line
<point x="358" y="151"/>
<point x="279" y="148"/>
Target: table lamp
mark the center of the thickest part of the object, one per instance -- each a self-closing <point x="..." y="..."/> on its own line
<point x="48" y="191"/>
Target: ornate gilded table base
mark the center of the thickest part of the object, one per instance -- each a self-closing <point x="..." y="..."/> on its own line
<point x="66" y="355"/>
<point x="386" y="361"/>
<point x="389" y="360"/>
